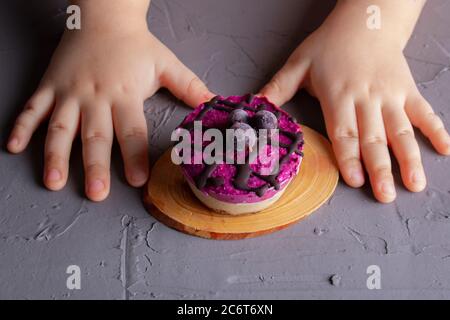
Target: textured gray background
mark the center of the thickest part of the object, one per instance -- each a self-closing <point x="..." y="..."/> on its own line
<point x="123" y="253"/>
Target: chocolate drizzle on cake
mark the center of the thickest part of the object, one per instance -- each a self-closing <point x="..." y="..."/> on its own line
<point x="202" y="178"/>
<point x="244" y="171"/>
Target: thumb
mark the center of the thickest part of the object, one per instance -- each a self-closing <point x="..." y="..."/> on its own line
<point x="286" y="82"/>
<point x="184" y="84"/>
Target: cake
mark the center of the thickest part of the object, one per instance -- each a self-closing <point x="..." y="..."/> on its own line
<point x="242" y="182"/>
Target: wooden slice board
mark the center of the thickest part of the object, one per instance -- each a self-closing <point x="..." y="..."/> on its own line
<point x="168" y="197"/>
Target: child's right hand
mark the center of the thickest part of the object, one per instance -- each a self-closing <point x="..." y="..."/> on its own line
<point x="97" y="81"/>
<point x="367" y="93"/>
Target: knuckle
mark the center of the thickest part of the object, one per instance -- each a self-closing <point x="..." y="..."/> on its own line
<point x="57" y="127"/>
<point x="77" y="84"/>
<point x="348" y="161"/>
<point x="293" y="61"/>
<point x="30" y="108"/>
<point x="342" y="93"/>
<point x="374" y="140"/>
<point x="124" y="89"/>
<point x="412" y="161"/>
<point x="93" y="89"/>
<point x="372" y="91"/>
<point x="381" y="170"/>
<point x="96" y="88"/>
<point x="138" y="159"/>
<point x="404" y="133"/>
<point x="53" y="158"/>
<point x="344" y="134"/>
<point x="89" y="89"/>
<point x="295" y="57"/>
<point x="274" y="85"/>
<point x="366" y="97"/>
<point x="338" y="90"/>
<point x="194" y="85"/>
<point x="96" y="136"/>
<point x="28" y="113"/>
<point x="135" y="133"/>
<point x="96" y="167"/>
<point x="20" y="124"/>
<point x="378" y="87"/>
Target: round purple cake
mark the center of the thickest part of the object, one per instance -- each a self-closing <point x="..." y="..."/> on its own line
<point x="251" y="185"/>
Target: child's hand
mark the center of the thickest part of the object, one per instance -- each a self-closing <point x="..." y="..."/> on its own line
<point x="368" y="97"/>
<point x="97" y="81"/>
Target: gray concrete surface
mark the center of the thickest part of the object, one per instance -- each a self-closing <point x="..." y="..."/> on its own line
<point x="124" y="253"/>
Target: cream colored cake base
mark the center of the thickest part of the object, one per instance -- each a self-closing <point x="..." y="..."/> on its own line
<point x="234" y="208"/>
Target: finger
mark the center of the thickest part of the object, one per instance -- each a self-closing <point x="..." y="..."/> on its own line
<point x="404" y="145"/>
<point x="97" y="137"/>
<point x="184" y="84"/>
<point x="36" y="110"/>
<point x="342" y="128"/>
<point x="401" y="137"/>
<point x="286" y="82"/>
<point x="131" y="131"/>
<point x="61" y="132"/>
<point x="423" y="117"/>
<point x="374" y="150"/>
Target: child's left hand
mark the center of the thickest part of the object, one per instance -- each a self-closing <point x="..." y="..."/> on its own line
<point x="96" y="84"/>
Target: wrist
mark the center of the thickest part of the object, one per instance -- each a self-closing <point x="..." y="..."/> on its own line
<point x="397" y="19"/>
<point x="113" y="16"/>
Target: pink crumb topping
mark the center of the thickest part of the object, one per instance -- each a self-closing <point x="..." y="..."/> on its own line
<point x="227" y="192"/>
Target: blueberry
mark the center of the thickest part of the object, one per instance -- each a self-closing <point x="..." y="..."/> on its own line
<point x="245" y="137"/>
<point x="265" y="120"/>
<point x="238" y="115"/>
<point x="241" y="125"/>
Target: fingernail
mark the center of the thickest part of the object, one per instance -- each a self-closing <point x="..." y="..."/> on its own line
<point x="13" y="142"/>
<point x="417" y="177"/>
<point x="53" y="175"/>
<point x="356" y="176"/>
<point x="388" y="188"/>
<point x="96" y="186"/>
<point x="139" y="176"/>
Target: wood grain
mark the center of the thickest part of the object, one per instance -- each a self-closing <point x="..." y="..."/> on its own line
<point x="168" y="197"/>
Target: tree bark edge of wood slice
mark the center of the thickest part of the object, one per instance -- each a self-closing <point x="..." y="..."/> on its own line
<point x="169" y="199"/>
